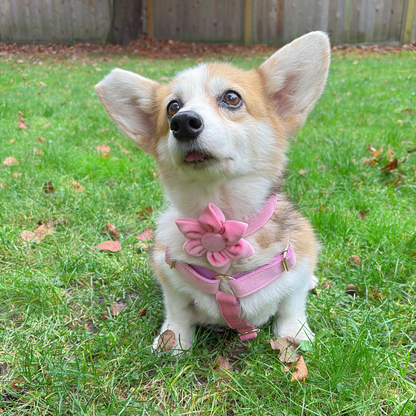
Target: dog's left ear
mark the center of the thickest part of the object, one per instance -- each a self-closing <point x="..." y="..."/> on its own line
<point x="295" y="77"/>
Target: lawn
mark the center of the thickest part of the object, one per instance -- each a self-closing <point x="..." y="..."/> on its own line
<point x="76" y="324"/>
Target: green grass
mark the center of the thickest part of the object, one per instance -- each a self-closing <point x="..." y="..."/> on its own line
<point x="363" y="361"/>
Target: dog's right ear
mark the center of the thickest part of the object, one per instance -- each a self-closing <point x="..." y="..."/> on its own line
<point x="129" y="100"/>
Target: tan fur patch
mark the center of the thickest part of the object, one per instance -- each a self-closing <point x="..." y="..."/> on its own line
<point x="158" y="247"/>
<point x="289" y="226"/>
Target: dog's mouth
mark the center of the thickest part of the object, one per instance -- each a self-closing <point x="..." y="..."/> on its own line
<point x="192" y="158"/>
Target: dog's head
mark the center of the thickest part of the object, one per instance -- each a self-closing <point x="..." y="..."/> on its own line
<point x="215" y="120"/>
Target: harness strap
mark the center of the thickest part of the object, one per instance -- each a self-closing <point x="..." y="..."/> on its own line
<point x="241" y="284"/>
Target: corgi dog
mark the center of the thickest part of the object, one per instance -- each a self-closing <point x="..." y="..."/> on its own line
<point x="230" y="250"/>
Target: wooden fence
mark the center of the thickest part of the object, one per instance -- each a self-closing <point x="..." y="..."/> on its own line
<point x="231" y="21"/>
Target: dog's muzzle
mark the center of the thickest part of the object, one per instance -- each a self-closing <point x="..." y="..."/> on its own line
<point x="186" y="125"/>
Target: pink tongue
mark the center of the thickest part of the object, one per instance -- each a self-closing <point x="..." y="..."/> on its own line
<point x="191" y="157"/>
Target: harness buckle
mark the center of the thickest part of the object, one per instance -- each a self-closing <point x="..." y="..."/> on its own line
<point x="256" y="330"/>
<point x="284" y="258"/>
<point x="224" y="276"/>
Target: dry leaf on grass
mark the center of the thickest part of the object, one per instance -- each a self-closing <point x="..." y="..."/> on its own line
<point x="112" y="230"/>
<point x="103" y="148"/>
<point x="142" y="312"/>
<point x="113" y="246"/>
<point x="116" y="309"/>
<point x="41" y="140"/>
<point x="287" y="347"/>
<point x="127" y="152"/>
<point x="327" y="284"/>
<point x="17" y="175"/>
<point x="36" y="150"/>
<point x="145" y="212"/>
<point x="38" y="235"/>
<point x="22" y="123"/>
<point x="48" y="188"/>
<point x="17" y="384"/>
<point x="300" y="373"/>
<point x="223" y="364"/>
<point x="303" y="171"/>
<point x="145" y="235"/>
<point x="77" y="186"/>
<point x="166" y="340"/>
<point x="13" y="140"/>
<point x="10" y="161"/>
<point x="354" y="259"/>
<point x="352" y="290"/>
<point x="90" y="327"/>
<point x="362" y="214"/>
<point x="391" y="166"/>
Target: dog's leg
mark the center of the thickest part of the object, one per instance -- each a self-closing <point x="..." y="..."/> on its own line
<point x="178" y="319"/>
<point x="291" y="317"/>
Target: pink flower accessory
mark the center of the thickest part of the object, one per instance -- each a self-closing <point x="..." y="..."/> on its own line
<point x="222" y="241"/>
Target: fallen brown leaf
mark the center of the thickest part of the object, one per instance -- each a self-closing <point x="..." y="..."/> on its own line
<point x="48" y="188"/>
<point x="41" y="140"/>
<point x="354" y="259"/>
<point x="145" y="212"/>
<point x="352" y="290"/>
<point x="42" y="84"/>
<point x="111" y="182"/>
<point x="287" y="347"/>
<point x="303" y="172"/>
<point x="22" y="123"/>
<point x="117" y="308"/>
<point x="113" y="246"/>
<point x="13" y="140"/>
<point x="362" y="214"/>
<point x="36" y="150"/>
<point x="391" y="166"/>
<point x="17" y="175"/>
<point x="408" y="111"/>
<point x="394" y="182"/>
<point x="38" y="235"/>
<point x="77" y="186"/>
<point x="223" y="364"/>
<point x="145" y="235"/>
<point x="390" y="154"/>
<point x="103" y="148"/>
<point x="112" y="230"/>
<point x="127" y="152"/>
<point x="144" y="245"/>
<point x="327" y="284"/>
<point x="90" y="327"/>
<point x="166" y="340"/>
<point x="17" y="383"/>
<point x="142" y="312"/>
<point x="300" y="373"/>
<point x="10" y="161"/>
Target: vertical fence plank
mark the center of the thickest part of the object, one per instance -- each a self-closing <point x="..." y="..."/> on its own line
<point x="248" y="21"/>
<point x="149" y="20"/>
<point x="408" y="21"/>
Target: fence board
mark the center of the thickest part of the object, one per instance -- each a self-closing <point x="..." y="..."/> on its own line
<point x="273" y="21"/>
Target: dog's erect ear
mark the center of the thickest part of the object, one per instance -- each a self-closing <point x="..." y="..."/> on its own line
<point x="295" y="77"/>
<point x="129" y="100"/>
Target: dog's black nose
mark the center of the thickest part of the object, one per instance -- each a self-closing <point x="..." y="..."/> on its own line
<point x="186" y="125"/>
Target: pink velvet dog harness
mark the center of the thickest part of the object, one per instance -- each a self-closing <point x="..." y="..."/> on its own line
<point x="222" y="241"/>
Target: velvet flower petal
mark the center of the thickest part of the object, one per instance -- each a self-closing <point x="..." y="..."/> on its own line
<point x="222" y="241"/>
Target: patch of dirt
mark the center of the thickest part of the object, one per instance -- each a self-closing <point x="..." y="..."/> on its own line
<point x="168" y="48"/>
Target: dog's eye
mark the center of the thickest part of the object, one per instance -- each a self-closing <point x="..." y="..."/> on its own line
<point x="232" y="99"/>
<point x="173" y="108"/>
